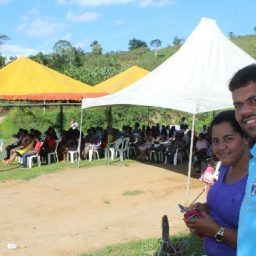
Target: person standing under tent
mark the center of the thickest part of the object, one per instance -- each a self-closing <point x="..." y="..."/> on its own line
<point x="73" y="124"/>
<point x="183" y="123"/>
<point x="204" y="130"/>
<point x="243" y="89"/>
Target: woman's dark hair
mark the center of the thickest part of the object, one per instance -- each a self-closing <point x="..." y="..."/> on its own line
<point x="243" y="77"/>
<point x="227" y="116"/>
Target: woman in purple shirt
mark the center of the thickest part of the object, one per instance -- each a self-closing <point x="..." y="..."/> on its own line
<point x="219" y="223"/>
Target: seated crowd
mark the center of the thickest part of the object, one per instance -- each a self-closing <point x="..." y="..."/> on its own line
<point x="162" y="141"/>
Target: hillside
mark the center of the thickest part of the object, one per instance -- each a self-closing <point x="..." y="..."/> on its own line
<point x="146" y="59"/>
<point x="94" y="68"/>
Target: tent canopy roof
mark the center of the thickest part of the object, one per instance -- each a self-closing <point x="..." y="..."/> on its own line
<point x="194" y="80"/>
<point x="121" y="80"/>
<point x="25" y="79"/>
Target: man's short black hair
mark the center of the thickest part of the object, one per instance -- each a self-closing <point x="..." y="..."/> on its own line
<point x="243" y="77"/>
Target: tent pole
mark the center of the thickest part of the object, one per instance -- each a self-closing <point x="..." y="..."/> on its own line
<point x="80" y="135"/>
<point x="148" y="116"/>
<point x="190" y="157"/>
<point x="61" y="119"/>
<point x="44" y="107"/>
<point x="109" y="110"/>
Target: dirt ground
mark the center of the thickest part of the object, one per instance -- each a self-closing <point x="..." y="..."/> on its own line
<point x="80" y="210"/>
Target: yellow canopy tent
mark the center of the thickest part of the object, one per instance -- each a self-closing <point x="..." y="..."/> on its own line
<point x="24" y="79"/>
<point x="122" y="80"/>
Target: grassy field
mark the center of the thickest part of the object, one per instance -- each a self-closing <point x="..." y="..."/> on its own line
<point x="150" y="247"/>
<point x="14" y="172"/>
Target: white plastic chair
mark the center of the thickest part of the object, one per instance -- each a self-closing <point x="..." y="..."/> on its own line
<point x="114" y="149"/>
<point x="124" y="151"/>
<point x="53" y="155"/>
<point x="132" y="148"/>
<point x="31" y="159"/>
<point x="153" y="152"/>
<point x="177" y="156"/>
<point x="93" y="151"/>
<point x="74" y="155"/>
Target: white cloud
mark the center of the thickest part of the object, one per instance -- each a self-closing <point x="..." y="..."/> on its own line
<point x="82" y="17"/>
<point x="141" y="3"/>
<point x="64" y="1"/>
<point x="2" y="2"/>
<point x="67" y="37"/>
<point x="80" y="44"/>
<point x="17" y="50"/>
<point x="119" y="22"/>
<point x="35" y="26"/>
<point x="102" y="2"/>
<point x="155" y="3"/>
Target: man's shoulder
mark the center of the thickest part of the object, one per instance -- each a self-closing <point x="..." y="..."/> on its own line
<point x="253" y="151"/>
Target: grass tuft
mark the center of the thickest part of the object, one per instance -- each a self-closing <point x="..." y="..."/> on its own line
<point x="133" y="193"/>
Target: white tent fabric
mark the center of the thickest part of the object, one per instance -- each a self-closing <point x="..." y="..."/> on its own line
<point x="194" y="80"/>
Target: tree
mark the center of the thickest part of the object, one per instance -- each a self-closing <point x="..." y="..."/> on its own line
<point x="62" y="46"/>
<point x="136" y="43"/>
<point x="2" y="61"/>
<point x="41" y="58"/>
<point x="96" y="48"/>
<point x="231" y="35"/>
<point x="3" y="38"/>
<point x="65" y="54"/>
<point x="254" y="29"/>
<point x="155" y="44"/>
<point x="177" y="41"/>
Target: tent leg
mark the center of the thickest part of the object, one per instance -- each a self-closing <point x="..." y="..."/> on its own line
<point x="190" y="158"/>
<point x="109" y="110"/>
<point x="80" y="137"/>
<point x="61" y="119"/>
<point x="148" y="116"/>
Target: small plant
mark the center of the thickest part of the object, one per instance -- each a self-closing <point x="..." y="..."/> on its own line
<point x="133" y="193"/>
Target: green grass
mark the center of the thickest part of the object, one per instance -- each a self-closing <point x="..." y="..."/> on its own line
<point x="14" y="172"/>
<point x="148" y="247"/>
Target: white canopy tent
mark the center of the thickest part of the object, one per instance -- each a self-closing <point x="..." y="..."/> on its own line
<point x="194" y="79"/>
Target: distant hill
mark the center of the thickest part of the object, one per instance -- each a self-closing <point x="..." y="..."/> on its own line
<point x="93" y="68"/>
<point x="146" y="59"/>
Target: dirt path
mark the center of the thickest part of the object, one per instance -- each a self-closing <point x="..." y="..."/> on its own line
<point x="74" y="211"/>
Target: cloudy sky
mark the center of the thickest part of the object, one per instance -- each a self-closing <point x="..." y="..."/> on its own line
<point x="35" y="25"/>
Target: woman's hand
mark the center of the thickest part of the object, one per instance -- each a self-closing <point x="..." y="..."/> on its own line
<point x="202" y="226"/>
<point x="201" y="207"/>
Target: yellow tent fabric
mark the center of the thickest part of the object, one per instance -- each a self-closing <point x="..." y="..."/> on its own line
<point x="24" y="79"/>
<point x="122" y="80"/>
